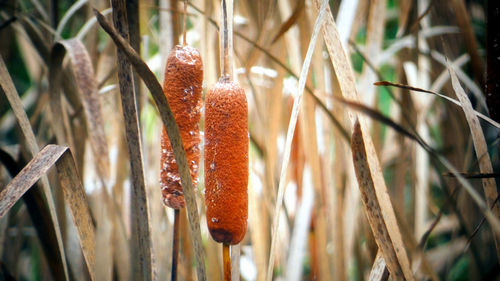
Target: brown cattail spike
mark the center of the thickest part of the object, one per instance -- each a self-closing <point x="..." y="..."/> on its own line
<point x="182" y="87"/>
<point x="226" y="161"/>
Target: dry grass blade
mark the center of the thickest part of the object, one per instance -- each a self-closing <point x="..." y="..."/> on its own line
<point x="67" y="16"/>
<point x="463" y="77"/>
<point x="72" y="188"/>
<point x="37" y="167"/>
<point x="89" y="24"/>
<point x="475" y="175"/>
<point x="7" y="86"/>
<point x="290" y="21"/>
<point x="141" y="243"/>
<point x="173" y="134"/>
<point x="76" y="200"/>
<point x="371" y="203"/>
<point x="85" y="79"/>
<point x="495" y="222"/>
<point x="466" y="26"/>
<point x="452" y="100"/>
<point x="44" y="197"/>
<point x="60" y="119"/>
<point x="404" y="13"/>
<point x="346" y="80"/>
<point x="418" y="21"/>
<point x="289" y="137"/>
<point x="36" y="38"/>
<point x="481" y="148"/>
<point x="379" y="270"/>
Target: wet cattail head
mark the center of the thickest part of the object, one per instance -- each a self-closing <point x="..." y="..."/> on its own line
<point x="182" y="87"/>
<point x="226" y="161"/>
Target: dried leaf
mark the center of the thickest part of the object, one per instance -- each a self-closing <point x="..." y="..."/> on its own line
<point x="43" y="197"/>
<point x="481" y="148"/>
<point x="83" y="72"/>
<point x="346" y="80"/>
<point x="76" y="201"/>
<point x="73" y="193"/>
<point x="60" y="119"/>
<point x="27" y="178"/>
<point x="467" y="30"/>
<point x="379" y="270"/>
<point x="372" y="206"/>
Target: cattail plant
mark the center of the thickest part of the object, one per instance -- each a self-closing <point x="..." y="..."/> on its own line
<point x="182" y="87"/>
<point x="226" y="151"/>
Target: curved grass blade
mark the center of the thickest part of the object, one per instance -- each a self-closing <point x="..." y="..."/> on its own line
<point x="67" y="16"/>
<point x="481" y="148"/>
<point x="85" y="80"/>
<point x="452" y="100"/>
<point x="60" y="119"/>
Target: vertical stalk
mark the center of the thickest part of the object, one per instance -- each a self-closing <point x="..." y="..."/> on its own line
<point x="226" y="256"/>
<point x="184" y="24"/>
<point x="141" y="245"/>
<point x="226" y="40"/>
<point x="175" y="21"/>
<point x="175" y="247"/>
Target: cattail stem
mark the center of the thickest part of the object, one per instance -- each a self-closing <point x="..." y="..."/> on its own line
<point x="175" y="245"/>
<point x="226" y="256"/>
<point x="226" y="39"/>
<point x="184" y="24"/>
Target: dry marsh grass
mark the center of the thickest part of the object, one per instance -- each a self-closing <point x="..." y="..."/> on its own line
<point x="373" y="151"/>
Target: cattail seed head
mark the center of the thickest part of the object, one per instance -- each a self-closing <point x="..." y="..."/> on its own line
<point x="182" y="87"/>
<point x="226" y="161"/>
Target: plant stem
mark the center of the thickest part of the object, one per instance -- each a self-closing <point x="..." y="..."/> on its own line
<point x="184" y="24"/>
<point x="226" y="40"/>
<point x="226" y="256"/>
<point x="175" y="246"/>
